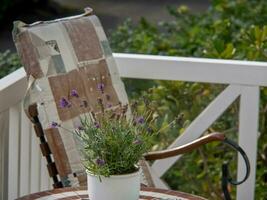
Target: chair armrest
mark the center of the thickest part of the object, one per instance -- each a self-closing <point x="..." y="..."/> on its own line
<point x="185" y="148"/>
<point x="226" y="179"/>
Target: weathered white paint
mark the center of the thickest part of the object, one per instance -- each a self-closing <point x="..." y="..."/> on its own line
<point x="20" y="148"/>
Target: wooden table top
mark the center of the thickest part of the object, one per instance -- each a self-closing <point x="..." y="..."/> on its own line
<point x="81" y="194"/>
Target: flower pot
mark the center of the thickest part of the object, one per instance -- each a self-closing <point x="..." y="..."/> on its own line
<point x="117" y="187"/>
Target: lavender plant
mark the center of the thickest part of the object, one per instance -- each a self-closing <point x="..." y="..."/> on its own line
<point x="113" y="144"/>
<point x="114" y="139"/>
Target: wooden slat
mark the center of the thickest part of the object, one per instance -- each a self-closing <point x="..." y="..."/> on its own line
<point x="200" y="124"/>
<point x="25" y="142"/>
<point x="45" y="149"/>
<point x="52" y="170"/>
<point x="13" y="152"/>
<point x="247" y="138"/>
<point x="4" y="122"/>
<point x="35" y="163"/>
<point x="44" y="177"/>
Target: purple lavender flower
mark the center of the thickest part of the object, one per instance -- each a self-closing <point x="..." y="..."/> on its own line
<point x="97" y="125"/>
<point x="137" y="142"/>
<point x="64" y="103"/>
<point x="54" y="125"/>
<point x="109" y="105"/>
<point x="100" y="87"/>
<point x="74" y="93"/>
<point x="140" y="120"/>
<point x="100" y="162"/>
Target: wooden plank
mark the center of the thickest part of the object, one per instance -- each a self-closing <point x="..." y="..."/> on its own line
<point x="13" y="152"/>
<point x="4" y="127"/>
<point x="192" y="69"/>
<point x="24" y="154"/>
<point x="248" y="132"/>
<point x="35" y="164"/>
<point x="212" y="112"/>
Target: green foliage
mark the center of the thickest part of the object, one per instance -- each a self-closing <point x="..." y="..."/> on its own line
<point x="229" y="29"/>
<point x="110" y="142"/>
<point x="113" y="146"/>
<point x="9" y="62"/>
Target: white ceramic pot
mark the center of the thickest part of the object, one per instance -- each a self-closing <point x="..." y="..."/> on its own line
<point x="117" y="187"/>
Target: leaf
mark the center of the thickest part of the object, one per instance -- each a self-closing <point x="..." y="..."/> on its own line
<point x="228" y="52"/>
<point x="219" y="45"/>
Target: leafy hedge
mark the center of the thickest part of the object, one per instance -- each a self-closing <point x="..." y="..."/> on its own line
<point x="230" y="29"/>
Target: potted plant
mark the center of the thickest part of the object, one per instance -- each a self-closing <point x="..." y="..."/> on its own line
<point x="112" y="141"/>
<point x="112" y="145"/>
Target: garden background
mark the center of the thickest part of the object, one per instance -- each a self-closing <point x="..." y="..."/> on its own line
<point x="225" y="29"/>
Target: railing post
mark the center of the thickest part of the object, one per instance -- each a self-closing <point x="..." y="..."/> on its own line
<point x="248" y="133"/>
<point x="13" y="152"/>
<point x="4" y="131"/>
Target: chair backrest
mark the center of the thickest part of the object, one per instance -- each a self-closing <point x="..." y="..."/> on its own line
<point x="58" y="56"/>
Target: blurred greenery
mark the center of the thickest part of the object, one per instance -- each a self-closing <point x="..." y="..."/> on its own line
<point x="229" y="29"/>
<point x="9" y="62"/>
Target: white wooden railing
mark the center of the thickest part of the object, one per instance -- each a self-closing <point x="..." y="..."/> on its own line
<point x="22" y="170"/>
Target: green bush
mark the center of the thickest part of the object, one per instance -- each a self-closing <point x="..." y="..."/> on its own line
<point x="9" y="62"/>
<point x="230" y="29"/>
